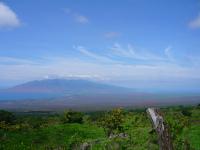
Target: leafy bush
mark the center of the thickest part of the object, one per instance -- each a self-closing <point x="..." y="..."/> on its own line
<point x="177" y="123"/>
<point x="72" y="117"/>
<point x="186" y="112"/>
<point x="6" y="116"/>
<point x="75" y="141"/>
<point x="112" y="121"/>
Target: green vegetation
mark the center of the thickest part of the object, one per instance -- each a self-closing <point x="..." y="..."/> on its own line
<point x="72" y="117"/>
<point x="6" y="116"/>
<point x="119" y="129"/>
<point x="112" y="122"/>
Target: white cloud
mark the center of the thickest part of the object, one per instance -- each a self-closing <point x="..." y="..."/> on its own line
<point x="11" y="60"/>
<point x="99" y="67"/>
<point x="81" y="19"/>
<point x="25" y="69"/>
<point x="195" y="23"/>
<point x="130" y="52"/>
<point x="168" y="53"/>
<point x="76" y="16"/>
<point x="93" y="55"/>
<point x="8" y="18"/>
<point x="67" y="10"/>
<point x="111" y="34"/>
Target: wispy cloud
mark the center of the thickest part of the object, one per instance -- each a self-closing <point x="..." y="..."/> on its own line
<point x="98" y="66"/>
<point x="168" y="53"/>
<point x="77" y="67"/>
<point x="11" y="60"/>
<point x="194" y="60"/>
<point x="79" y="18"/>
<point x="195" y="23"/>
<point x="112" y="34"/>
<point x="8" y="18"/>
<point x="88" y="53"/>
<point x="130" y="52"/>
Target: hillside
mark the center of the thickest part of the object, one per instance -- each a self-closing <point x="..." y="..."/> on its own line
<point x="54" y="88"/>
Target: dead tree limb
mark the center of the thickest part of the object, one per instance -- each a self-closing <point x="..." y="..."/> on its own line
<point x="161" y="129"/>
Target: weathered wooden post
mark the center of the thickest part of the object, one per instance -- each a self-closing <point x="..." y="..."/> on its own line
<point x="160" y="128"/>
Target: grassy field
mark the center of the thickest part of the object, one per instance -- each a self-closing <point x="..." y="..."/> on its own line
<point x="117" y="129"/>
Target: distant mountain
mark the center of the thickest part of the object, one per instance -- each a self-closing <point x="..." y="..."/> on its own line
<point x="57" y="94"/>
<point x="54" y="88"/>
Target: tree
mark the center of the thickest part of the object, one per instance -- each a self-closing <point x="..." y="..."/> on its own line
<point x="112" y="121"/>
<point x="72" y="117"/>
<point x="198" y="105"/>
<point x="177" y="122"/>
<point x="186" y="112"/>
<point x="6" y="116"/>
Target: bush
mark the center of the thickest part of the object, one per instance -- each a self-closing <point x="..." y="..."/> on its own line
<point x="36" y="122"/>
<point x="186" y="112"/>
<point x="72" y="117"/>
<point x="112" y="122"/>
<point x="75" y="142"/>
<point x="6" y="116"/>
<point x="198" y="106"/>
<point x="177" y="123"/>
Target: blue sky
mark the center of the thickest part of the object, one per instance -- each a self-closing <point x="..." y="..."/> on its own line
<point x="136" y="43"/>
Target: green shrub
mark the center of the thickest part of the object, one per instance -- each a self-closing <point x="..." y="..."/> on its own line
<point x="75" y="141"/>
<point x="72" y="117"/>
<point x="186" y="112"/>
<point x="6" y="116"/>
<point x="113" y="121"/>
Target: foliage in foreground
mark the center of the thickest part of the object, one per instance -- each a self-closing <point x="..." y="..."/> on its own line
<point x="117" y="129"/>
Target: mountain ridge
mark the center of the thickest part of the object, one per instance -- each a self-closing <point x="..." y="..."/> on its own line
<point x="50" y="88"/>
